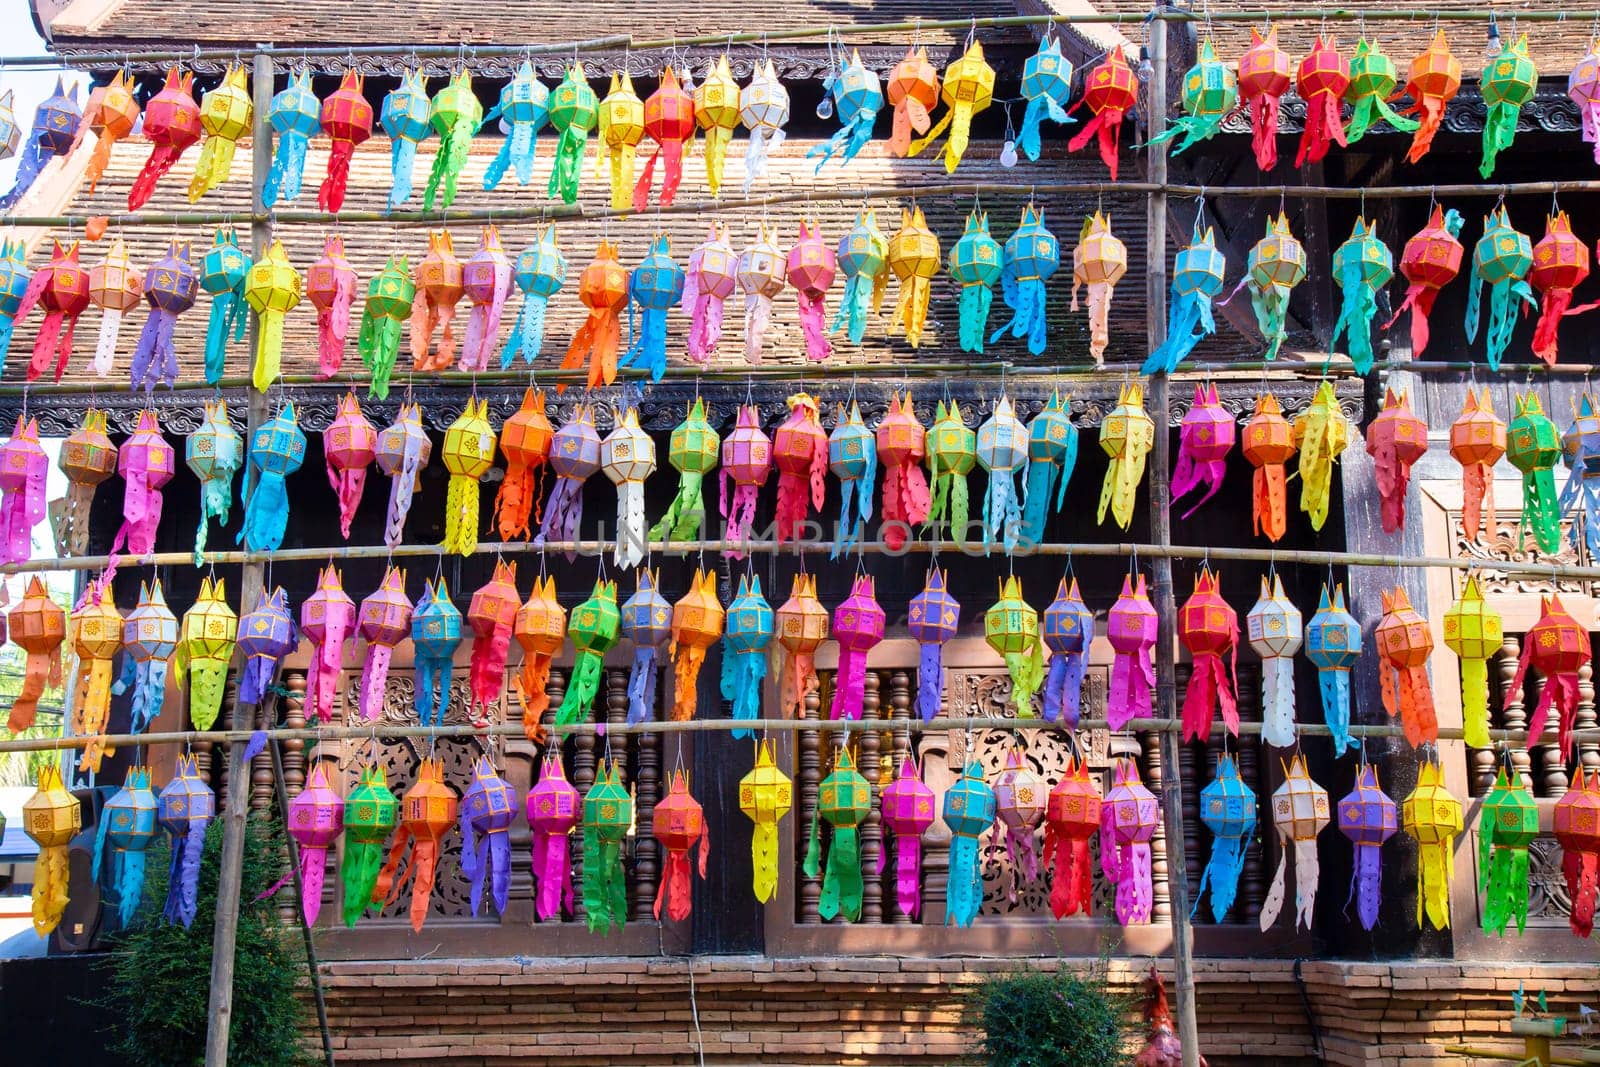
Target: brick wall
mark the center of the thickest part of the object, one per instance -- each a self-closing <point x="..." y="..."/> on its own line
<point x="885" y="1011"/>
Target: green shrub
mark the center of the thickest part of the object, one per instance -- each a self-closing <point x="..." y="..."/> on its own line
<point x="1034" y="1018"/>
<point x="158" y="981"/>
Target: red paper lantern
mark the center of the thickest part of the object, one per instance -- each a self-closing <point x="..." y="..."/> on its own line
<point x="171" y="124"/>
<point x="1560" y="264"/>
<point x="902" y="446"/>
<point x="1430" y="261"/>
<point x="1557" y="647"/>
<point x="1110" y="91"/>
<point x="1264" y="73"/>
<point x="1209" y="628"/>
<point x="1072" y="818"/>
<point x="1405" y="642"/>
<point x="679" y="823"/>
<point x="1323" y="77"/>
<point x="800" y="451"/>
<point x="347" y="120"/>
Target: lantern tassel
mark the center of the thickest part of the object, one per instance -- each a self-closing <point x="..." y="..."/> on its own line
<point x="1270" y="514"/>
<point x="1132" y="681"/>
<point x="1002" y="520"/>
<point x="313" y="864"/>
<point x="1264" y="109"/>
<point x="671" y="154"/>
<point x="1209" y="688"/>
<point x="841" y="883"/>
<point x="1222" y="874"/>
<point x="911" y="309"/>
<point x="155" y="360"/>
<point x="1105" y="129"/>
<point x="433" y="688"/>
<point x="1063" y="688"/>
<point x="1504" y="299"/>
<point x="649" y="349"/>
<point x="814" y="323"/>
<point x="1553" y="305"/>
<point x="105" y="348"/>
<point x="976" y="301"/>
<point x="1541" y="509"/>
<point x="1189" y="321"/>
<point x="1027" y="674"/>
<point x="1366" y="885"/>
<point x="461" y="516"/>
<point x="1433" y="883"/>
<point x="55" y="331"/>
<point x="568" y="168"/>
<point x="757" y="321"/>
<point x="1277" y="684"/>
<point x="1499" y="129"/>
<point x="183" y="876"/>
<point x="402" y="160"/>
<point x="853" y="307"/>
<point x="951" y="502"/>
<point x="717" y="140"/>
<point x="374" y="680"/>
<point x="1475" y="702"/>
<point x="227" y="316"/>
<point x="1366" y="113"/>
<point x="1407" y="693"/>
<point x="1072" y="884"/>
<point x="552" y="873"/>
<point x="851" y="139"/>
<point x="1503" y="872"/>
<point x="674" y="890"/>
<point x="333" y="326"/>
<point x="930" y="680"/>
<point x="763" y="142"/>
<point x="266" y="513"/>
<point x="527" y="336"/>
<point x="1582" y="871"/>
<point x="379" y="344"/>
<point x="853" y="520"/>
<point x="1128" y="865"/>
<point x="964" y="894"/>
<point x="1042" y="477"/>
<point x="562" y="511"/>
<point x="33" y="159"/>
<point x="582" y="687"/>
<point x="742" y="675"/>
<point x="1039" y="108"/>
<point x="597" y="341"/>
<point x="1187" y="475"/>
<point x="605" y="902"/>
<point x="907" y="873"/>
<point x="849" y="685"/>
<point x="447" y="164"/>
<point x="642" y="685"/>
<point x="518" y="149"/>
<point x="288" y="168"/>
<point x="1356" y="312"/>
<point x="214" y="165"/>
<point x="269" y="350"/>
<point x="704" y="308"/>
<point x="1026" y="298"/>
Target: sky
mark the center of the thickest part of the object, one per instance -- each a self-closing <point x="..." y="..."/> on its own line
<point x="19" y="38"/>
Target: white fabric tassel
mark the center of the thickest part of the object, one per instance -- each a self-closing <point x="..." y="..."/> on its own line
<point x="105" y="349"/>
<point x="1307" y="871"/>
<point x="757" y="318"/>
<point x="631" y="531"/>
<point x="1277" y="722"/>
<point x="1274" y="902"/>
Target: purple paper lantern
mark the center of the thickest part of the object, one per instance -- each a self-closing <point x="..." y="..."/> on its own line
<point x="932" y="619"/>
<point x="487" y="811"/>
<point x="266" y="635"/>
<point x="171" y="284"/>
<point x="1368" y="818"/>
<point x="1068" y="630"/>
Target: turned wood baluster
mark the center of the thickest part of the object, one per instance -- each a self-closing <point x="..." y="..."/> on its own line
<point x="1154" y="779"/>
<point x="900" y="703"/>
<point x="1514" y="711"/>
<point x="263" y="779"/>
<point x="1587" y="719"/>
<point x="871" y="827"/>
<point x="294" y="718"/>
<point x="1252" y="881"/>
<point x="646" y="852"/>
<point x="810" y="889"/>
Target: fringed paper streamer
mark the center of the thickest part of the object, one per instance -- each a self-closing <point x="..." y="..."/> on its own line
<point x="88" y="458"/>
<point x="272" y="289"/>
<point x="592" y="629"/>
<point x="1501" y="260"/>
<point x="603" y="289"/>
<point x="1396" y="439"/>
<point x="844" y="799"/>
<point x="902" y="446"/>
<point x="761" y="274"/>
<point x="669" y="121"/>
<point x="1269" y="445"/>
<point x="1299" y="814"/>
<point x="315" y="820"/>
<point x="914" y="258"/>
<point x="61" y="290"/>
<point x="952" y="454"/>
<point x="435" y="633"/>
<point x="149" y="638"/>
<point x="384" y="619"/>
<point x="491" y="614"/>
<point x="1032" y="255"/>
<point x="1228" y="808"/>
<point x="1430" y="261"/>
<point x="800" y="450"/>
<point x="627" y="458"/>
<point x="1321" y="433"/>
<point x="14" y="279"/>
<point x="1373" y="77"/>
<point x="1003" y="445"/>
<point x="1432" y="817"/>
<point x="455" y="115"/>
<point x="1052" y="457"/>
<point x="1274" y="627"/>
<point x="679" y="823"/>
<point x="763" y="109"/>
<point x="574" y="113"/>
<point x="38" y="626"/>
<point x="1405" y="642"/>
<point x="1210" y="95"/>
<point x="1321" y="80"/>
<point x="1557" y="646"/>
<point x="709" y="280"/>
<point x="1265" y="71"/>
<point x="697" y="623"/>
<point x="1205" y="437"/>
<point x="266" y="635"/>
<point x="222" y="274"/>
<point x="127" y="825"/>
<point x="1508" y="824"/>
<point x="747" y="460"/>
<point x="1110" y="91"/>
<point x="1067" y="630"/>
<point x="1361" y="266"/>
<point x="327" y="619"/>
<point x="370" y="814"/>
<point x="523" y="107"/>
<point x="439" y="286"/>
<point x="1046" y="86"/>
<point x="390" y="297"/>
<point x="1577" y="829"/>
<point x="468" y="454"/>
<point x="295" y="117"/>
<point x="853" y="459"/>
<point x="646" y="622"/>
<point x="1533" y="447"/>
<point x="1560" y="264"/>
<point x="864" y="262"/>
<point x="1209" y="628"/>
<point x="655" y="287"/>
<point x="811" y="269"/>
<point x="976" y="263"/>
<point x="540" y="628"/>
<point x="692" y="451"/>
<point x="1098" y="262"/>
<point x="1434" y="80"/>
<point x="968" y="89"/>
<point x="554" y="809"/>
<point x="331" y="288"/>
<point x="1277" y="263"/>
<point x="171" y="124"/>
<point x="621" y="130"/>
<point x="1011" y="628"/>
<point x="932" y="619"/>
<point x="349" y="445"/>
<point x="1507" y="82"/>
<point x="112" y="113"/>
<point x="146" y="463"/>
<point x="525" y="441"/>
<point x="405" y="120"/>
<point x="858" y="625"/>
<point x="607" y="824"/>
<point x="1197" y="278"/>
<point x="1368" y="818"/>
<point x="574" y="456"/>
<point x="857" y="97"/>
<point x="206" y="642"/>
<point x="1129" y="817"/>
<point x="801" y="623"/>
<point x="184" y="809"/>
<point x="24" y="468"/>
<point x="225" y="114"/>
<point x="115" y="287"/>
<point x="56" y="126"/>
<point x="1474" y="631"/>
<point x="1126" y="435"/>
<point x="346" y="118"/>
<point x="716" y="111"/>
<point x="746" y="635"/>
<point x="277" y="449"/>
<point x="765" y="795"/>
<point x="403" y="450"/>
<point x="913" y="92"/>
<point x="171" y="284"/>
<point x="540" y="273"/>
<point x="906" y="809"/>
<point x="487" y="809"/>
<point x="1580" y="497"/>
<point x="1131" y="629"/>
<point x="969" y="810"/>
<point x="427" y="812"/>
<point x="1072" y="817"/>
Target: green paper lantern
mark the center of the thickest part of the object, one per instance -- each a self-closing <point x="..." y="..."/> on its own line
<point x="844" y="799"/>
<point x="370" y="813"/>
<point x="952" y="453"/>
<point x="1508" y="824"/>
<point x="692" y="450"/>
<point x="607" y="817"/>
<point x="592" y="628"/>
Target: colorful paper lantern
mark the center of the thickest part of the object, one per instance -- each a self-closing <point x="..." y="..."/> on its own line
<point x="669" y="121"/>
<point x="1473" y="631"/>
<point x="1321" y="80"/>
<point x="468" y="454"/>
<point x="931" y="619"/>
<point x="906" y="809"/>
<point x="112" y="113"/>
<point x="628" y="457"/>
<point x="277" y="449"/>
<point x="1432" y="818"/>
<point x="1405" y="642"/>
<point x="765" y="795"/>
<point x="1508" y="81"/>
<point x="1046" y="86"/>
<point x="857" y="97"/>
<point x="14" y="279"/>
<point x="487" y="809"/>
<point x="976" y="263"/>
<point x="1020" y="800"/>
<point x="327" y="618"/>
<point x="844" y="799"/>
<point x="646" y="621"/>
<point x="1228" y="808"/>
<point x="952" y="453"/>
<point x="171" y="124"/>
<point x="1501" y="260"/>
<point x="913" y="92"/>
<point x="1434" y="80"/>
<point x="554" y="808"/>
<point x="349" y="446"/>
<point x="1396" y="439"/>
<point x="1073" y="813"/>
<point x="603" y="289"/>
<point x="1583" y="89"/>
<point x="1210" y="94"/>
<point x="902" y="447"/>
<point x="295" y="117"/>
<point x="455" y="115"/>
<point x="1032" y="255"/>
<point x="23" y="470"/>
<point x="1269" y="445"/>
<point x="656" y="286"/>
<point x="523" y="107"/>
<point x="969" y="810"/>
<point x="1362" y="266"/>
<point x="486" y="283"/>
<point x="37" y="625"/>
<point x="87" y="458"/>
<point x="592" y="629"/>
<point x="331" y="288"/>
<point x="95" y="629"/>
<point x="346" y="118"/>
<point x="574" y="112"/>
<point x="225" y="114"/>
<point x="761" y="273"/>
<point x="574" y="456"/>
<point x="692" y="451"/>
<point x="811" y="267"/>
<point x="405" y="120"/>
<point x="1430" y="261"/>
<point x="315" y="820"/>
<point x="709" y="280"/>
<point x="403" y="450"/>
<point x="1576" y="822"/>
<point x="1274" y="629"/>
<point x="206" y="642"/>
<point x="913" y="256"/>
<point x="1321" y="433"/>
<point x="272" y="289"/>
<point x="1373" y="76"/>
<point x="51" y="817"/>
<point x="438" y="287"/>
<point x="1011" y="628"/>
<point x="747" y="460"/>
<point x="853" y="458"/>
<point x="1557" y="646"/>
<point x="1264" y="74"/>
<point x="1129" y="816"/>
<point x="384" y="620"/>
<point x="57" y="127"/>
<point x="1003" y="445"/>
<point x="540" y="627"/>
<point x="968" y="89"/>
<point x="1333" y="643"/>
<point x="540" y="273"/>
<point x="716" y="112"/>
<point x="525" y="441"/>
<point x="115" y="287"/>
<point x="435" y="633"/>
<point x="491" y="614"/>
<point x="170" y="286"/>
<point x="128" y="825"/>
<point x="184" y="809"/>
<point x="1052" y="456"/>
<point x="370" y="814"/>
<point x="1067" y="630"/>
<point x="427" y="812"/>
<point x="858" y="625"/>
<point x="801" y="625"/>
<point x="607" y="823"/>
<point x="1110" y="91"/>
<point x="1126" y="435"/>
<point x="864" y="261"/>
<point x="1560" y="264"/>
<point x="1131" y="629"/>
<point x="621" y="130"/>
<point x="61" y="290"/>
<point x="223" y="272"/>
<point x="800" y="451"/>
<point x="678" y="824"/>
<point x="1580" y="447"/>
<point x="1532" y="446"/>
<point x="1197" y="278"/>
<point x="1205" y="437"/>
<point x="1209" y="628"/>
<point x="1299" y="814"/>
<point x="697" y="623"/>
<point x="1098" y="262"/>
<point x="763" y="109"/>
<point x="1507" y="824"/>
<point x="146" y="463"/>
<point x="1277" y="263"/>
<point x="266" y="635"/>
<point x="1368" y="818"/>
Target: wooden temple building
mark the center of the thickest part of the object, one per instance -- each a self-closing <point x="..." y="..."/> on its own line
<point x="739" y="981"/>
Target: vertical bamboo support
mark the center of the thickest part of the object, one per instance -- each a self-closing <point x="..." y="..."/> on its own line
<point x="230" y="876"/>
<point x="1161" y="534"/>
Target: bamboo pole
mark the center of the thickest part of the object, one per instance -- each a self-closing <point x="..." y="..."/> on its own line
<point x="317" y="999"/>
